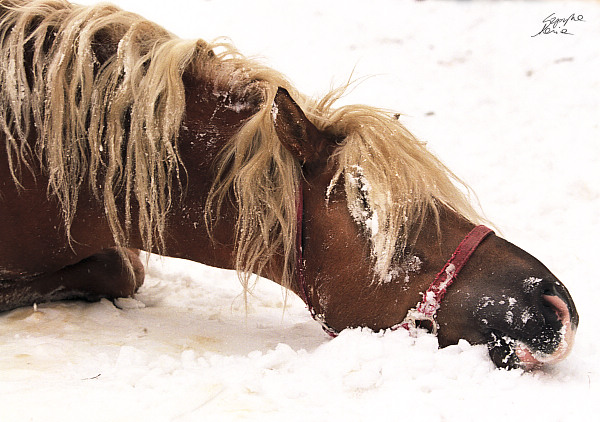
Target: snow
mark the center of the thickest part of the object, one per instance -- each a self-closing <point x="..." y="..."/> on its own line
<point x="515" y="116"/>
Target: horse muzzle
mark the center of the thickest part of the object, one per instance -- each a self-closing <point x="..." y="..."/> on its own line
<point x="532" y="336"/>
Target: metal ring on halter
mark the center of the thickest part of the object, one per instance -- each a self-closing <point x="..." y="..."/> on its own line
<point x="426" y="310"/>
<point x="410" y="321"/>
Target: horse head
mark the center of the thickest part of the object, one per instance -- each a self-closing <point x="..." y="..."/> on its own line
<point x="354" y="277"/>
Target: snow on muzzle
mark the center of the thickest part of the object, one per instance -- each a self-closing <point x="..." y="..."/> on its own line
<point x="529" y="359"/>
<point x="546" y="336"/>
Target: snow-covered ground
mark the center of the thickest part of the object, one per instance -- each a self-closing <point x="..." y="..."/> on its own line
<point x="517" y="117"/>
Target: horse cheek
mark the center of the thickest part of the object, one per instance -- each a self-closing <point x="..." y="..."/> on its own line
<point x="457" y="320"/>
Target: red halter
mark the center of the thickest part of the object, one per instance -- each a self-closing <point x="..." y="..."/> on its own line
<point x="427" y="308"/>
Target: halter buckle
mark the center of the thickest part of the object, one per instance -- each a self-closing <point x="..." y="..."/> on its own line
<point x="414" y="315"/>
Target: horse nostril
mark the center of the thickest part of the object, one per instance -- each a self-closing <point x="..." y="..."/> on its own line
<point x="556" y="304"/>
<point x="558" y="307"/>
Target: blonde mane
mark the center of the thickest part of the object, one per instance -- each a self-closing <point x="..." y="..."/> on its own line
<point x="113" y="122"/>
<point x="85" y="108"/>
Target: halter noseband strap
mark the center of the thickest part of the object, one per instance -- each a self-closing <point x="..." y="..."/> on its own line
<point x="428" y="307"/>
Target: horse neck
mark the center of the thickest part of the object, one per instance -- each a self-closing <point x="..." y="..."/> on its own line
<point x="208" y="125"/>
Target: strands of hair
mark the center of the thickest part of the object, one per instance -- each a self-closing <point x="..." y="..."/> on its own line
<point x="105" y="97"/>
<point x="88" y="105"/>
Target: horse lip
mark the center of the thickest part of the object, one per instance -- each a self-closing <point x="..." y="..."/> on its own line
<point x="509" y="353"/>
<point x="527" y="358"/>
<point x="530" y="359"/>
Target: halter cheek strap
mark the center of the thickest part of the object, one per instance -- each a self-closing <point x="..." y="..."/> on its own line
<point x="301" y="277"/>
<point x="428" y="307"/>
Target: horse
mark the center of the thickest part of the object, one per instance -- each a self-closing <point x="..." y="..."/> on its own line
<point x="121" y="137"/>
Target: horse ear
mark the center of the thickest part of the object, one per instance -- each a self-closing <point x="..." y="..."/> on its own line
<point x="295" y="131"/>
